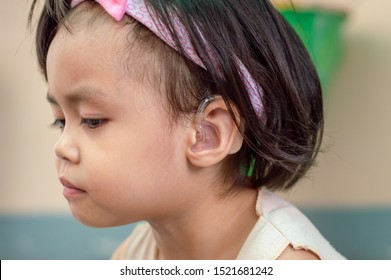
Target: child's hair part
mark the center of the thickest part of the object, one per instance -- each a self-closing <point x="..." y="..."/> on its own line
<point x="280" y="145"/>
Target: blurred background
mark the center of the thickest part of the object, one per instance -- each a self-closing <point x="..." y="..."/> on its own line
<point x="347" y="195"/>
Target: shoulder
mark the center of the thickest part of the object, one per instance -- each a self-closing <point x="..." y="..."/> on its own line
<point x="291" y="253"/>
<point x="298" y="237"/>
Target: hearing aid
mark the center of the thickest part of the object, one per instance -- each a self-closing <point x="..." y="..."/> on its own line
<point x="202" y="126"/>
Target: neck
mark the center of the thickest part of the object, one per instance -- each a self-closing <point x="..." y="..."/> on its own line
<point x="214" y="228"/>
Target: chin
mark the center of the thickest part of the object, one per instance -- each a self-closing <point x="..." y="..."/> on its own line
<point x="97" y="221"/>
<point x="91" y="220"/>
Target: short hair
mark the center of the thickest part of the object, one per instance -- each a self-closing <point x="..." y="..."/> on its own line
<point x="278" y="147"/>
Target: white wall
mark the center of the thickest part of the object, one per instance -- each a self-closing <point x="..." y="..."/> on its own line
<point x="27" y="175"/>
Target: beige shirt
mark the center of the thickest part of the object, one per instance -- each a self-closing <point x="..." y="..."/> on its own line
<point x="280" y="224"/>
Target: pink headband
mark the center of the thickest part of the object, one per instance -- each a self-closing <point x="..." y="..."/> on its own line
<point x="138" y="10"/>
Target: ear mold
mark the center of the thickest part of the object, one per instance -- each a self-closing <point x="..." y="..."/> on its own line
<point x="206" y="134"/>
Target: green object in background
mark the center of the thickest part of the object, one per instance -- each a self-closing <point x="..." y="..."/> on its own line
<point x="321" y="33"/>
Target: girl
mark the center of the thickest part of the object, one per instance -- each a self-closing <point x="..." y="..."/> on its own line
<point x="184" y="114"/>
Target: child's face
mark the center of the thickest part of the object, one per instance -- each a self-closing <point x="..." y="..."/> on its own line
<point x="118" y="157"/>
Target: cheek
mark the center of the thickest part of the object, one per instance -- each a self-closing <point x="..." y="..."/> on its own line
<point x="154" y="156"/>
<point x="133" y="158"/>
<point x="153" y="143"/>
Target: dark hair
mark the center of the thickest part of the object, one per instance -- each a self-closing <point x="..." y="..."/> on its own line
<point x="278" y="147"/>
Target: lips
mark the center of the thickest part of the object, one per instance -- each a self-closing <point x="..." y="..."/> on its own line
<point x="70" y="191"/>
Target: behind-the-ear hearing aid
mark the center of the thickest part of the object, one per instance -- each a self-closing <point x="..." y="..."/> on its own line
<point x="202" y="126"/>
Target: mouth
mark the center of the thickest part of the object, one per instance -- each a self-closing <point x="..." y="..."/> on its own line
<point x="70" y="191"/>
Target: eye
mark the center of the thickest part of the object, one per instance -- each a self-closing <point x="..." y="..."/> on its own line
<point x="92" y="123"/>
<point x="58" y="123"/>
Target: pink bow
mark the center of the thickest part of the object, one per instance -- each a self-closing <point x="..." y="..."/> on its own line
<point x="116" y="8"/>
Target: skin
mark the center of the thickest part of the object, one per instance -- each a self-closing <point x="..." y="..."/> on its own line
<point x="120" y="158"/>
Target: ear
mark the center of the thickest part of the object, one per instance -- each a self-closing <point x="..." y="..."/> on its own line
<point x="213" y="136"/>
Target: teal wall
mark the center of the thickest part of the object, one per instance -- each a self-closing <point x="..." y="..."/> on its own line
<point x="356" y="233"/>
<point x="56" y="237"/>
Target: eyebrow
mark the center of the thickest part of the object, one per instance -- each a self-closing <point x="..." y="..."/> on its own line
<point x="83" y="94"/>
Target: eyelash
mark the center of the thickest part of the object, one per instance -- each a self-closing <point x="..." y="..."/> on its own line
<point x="58" y="123"/>
<point x="90" y="123"/>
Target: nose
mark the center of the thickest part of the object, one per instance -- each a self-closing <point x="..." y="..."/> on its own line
<point x="66" y="147"/>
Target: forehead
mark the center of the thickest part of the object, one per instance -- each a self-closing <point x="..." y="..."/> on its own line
<point x="90" y="33"/>
<point x="104" y="42"/>
<point x="81" y="55"/>
<point x="84" y="70"/>
<point x="91" y="48"/>
<point x="88" y="56"/>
